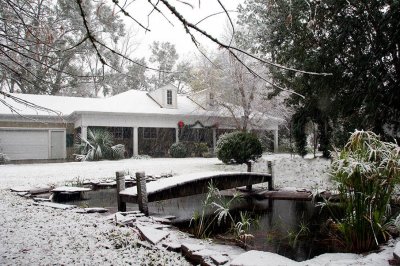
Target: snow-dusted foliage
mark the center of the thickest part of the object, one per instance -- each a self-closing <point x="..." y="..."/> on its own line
<point x="3" y="158"/>
<point x="367" y="170"/>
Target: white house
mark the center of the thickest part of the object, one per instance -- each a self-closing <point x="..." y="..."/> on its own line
<point x="146" y="122"/>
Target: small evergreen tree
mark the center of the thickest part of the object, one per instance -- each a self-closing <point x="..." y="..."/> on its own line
<point x="239" y="147"/>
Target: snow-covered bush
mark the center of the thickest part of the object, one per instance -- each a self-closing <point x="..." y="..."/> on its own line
<point x="238" y="147"/>
<point x="199" y="149"/>
<point x="367" y="171"/>
<point x="3" y="158"/>
<point x="178" y="150"/>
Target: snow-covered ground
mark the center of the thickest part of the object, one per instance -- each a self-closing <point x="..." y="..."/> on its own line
<point x="309" y="173"/>
<point x="34" y="235"/>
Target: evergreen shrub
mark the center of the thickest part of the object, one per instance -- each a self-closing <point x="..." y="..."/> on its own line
<point x="178" y="150"/>
<point x="238" y="147"/>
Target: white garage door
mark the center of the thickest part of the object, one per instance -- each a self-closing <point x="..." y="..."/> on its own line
<point x="20" y="144"/>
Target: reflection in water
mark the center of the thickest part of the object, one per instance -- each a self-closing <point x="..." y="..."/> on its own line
<point x="279" y="221"/>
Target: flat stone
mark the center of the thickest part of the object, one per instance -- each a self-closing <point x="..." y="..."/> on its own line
<point x="124" y="219"/>
<point x="129" y="212"/>
<point x="396" y="252"/>
<point x="94" y="210"/>
<point x="31" y="190"/>
<point x="219" y="259"/>
<point x="56" y="205"/>
<point x="41" y="190"/>
<point x="168" y="217"/>
<point x="192" y="247"/>
<point x="197" y="254"/>
<point x="20" y="189"/>
<point x="70" y="189"/>
<point x="151" y="234"/>
<point x="41" y="199"/>
<point x="201" y="257"/>
<point x="261" y="258"/>
<point x="172" y="246"/>
<point x="161" y="220"/>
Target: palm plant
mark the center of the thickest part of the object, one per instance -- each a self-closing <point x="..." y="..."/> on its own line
<point x="99" y="145"/>
<point x="367" y="171"/>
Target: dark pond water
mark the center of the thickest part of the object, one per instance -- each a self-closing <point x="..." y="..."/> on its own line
<point x="289" y="228"/>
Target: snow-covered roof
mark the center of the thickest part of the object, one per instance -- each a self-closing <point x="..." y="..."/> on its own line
<point x="129" y="102"/>
<point x="132" y="101"/>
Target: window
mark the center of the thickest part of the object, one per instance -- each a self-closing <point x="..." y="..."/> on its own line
<point x="150" y="133"/>
<point x="169" y="97"/>
<point x="117" y="132"/>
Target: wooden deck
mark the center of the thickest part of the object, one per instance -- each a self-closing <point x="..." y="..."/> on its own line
<point x="192" y="184"/>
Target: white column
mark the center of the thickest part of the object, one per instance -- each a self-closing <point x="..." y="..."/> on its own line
<point x="176" y="135"/>
<point x="214" y="136"/>
<point x="135" y="142"/>
<point x="276" y="141"/>
<point x="83" y="132"/>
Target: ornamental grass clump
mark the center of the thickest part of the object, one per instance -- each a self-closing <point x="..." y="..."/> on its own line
<point x="367" y="171"/>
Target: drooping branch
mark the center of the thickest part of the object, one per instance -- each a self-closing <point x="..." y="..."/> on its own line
<point x="189" y="25"/>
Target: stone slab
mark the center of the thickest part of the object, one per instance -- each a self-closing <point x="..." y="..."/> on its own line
<point x="172" y="246"/>
<point x="219" y="259"/>
<point x="41" y="200"/>
<point x="151" y="234"/>
<point x="70" y="189"/>
<point x="261" y="258"/>
<point x="95" y="210"/>
<point x="56" y="205"/>
<point x="31" y="190"/>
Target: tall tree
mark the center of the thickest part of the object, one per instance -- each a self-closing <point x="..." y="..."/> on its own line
<point x="164" y="56"/>
<point x="42" y="49"/>
<point x="357" y="41"/>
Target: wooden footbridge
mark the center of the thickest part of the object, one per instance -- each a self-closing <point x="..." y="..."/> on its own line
<point x="184" y="185"/>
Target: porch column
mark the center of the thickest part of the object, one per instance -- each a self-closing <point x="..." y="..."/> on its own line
<point x="176" y="135"/>
<point x="135" y="141"/>
<point x="83" y="132"/>
<point x="276" y="141"/>
<point x="214" y="136"/>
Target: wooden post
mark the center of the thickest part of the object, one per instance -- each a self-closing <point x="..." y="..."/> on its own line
<point x="120" y="177"/>
<point x="249" y="187"/>
<point x="271" y="172"/>
<point x="142" y="193"/>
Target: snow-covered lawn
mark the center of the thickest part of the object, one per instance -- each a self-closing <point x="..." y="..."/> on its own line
<point x="34" y="235"/>
<point x="309" y="173"/>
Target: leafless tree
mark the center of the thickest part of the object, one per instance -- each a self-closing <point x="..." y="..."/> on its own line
<point x="23" y="20"/>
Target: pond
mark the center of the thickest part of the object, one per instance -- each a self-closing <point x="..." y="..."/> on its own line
<point x="289" y="228"/>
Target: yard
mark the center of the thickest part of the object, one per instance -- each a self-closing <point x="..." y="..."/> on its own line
<point x="39" y="235"/>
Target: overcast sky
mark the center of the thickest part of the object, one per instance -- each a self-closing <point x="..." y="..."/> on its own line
<point x="162" y="30"/>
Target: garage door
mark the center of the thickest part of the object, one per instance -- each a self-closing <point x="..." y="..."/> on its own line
<point x="19" y="144"/>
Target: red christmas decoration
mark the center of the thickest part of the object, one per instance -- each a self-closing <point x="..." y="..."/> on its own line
<point x="181" y="124"/>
